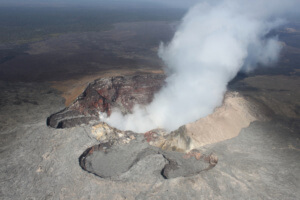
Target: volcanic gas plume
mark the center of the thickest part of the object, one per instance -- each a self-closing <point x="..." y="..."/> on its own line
<point x="214" y="41"/>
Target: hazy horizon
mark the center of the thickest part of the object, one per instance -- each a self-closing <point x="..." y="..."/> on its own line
<point x="102" y="3"/>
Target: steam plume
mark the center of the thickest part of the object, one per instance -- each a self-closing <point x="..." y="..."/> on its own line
<point x="213" y="43"/>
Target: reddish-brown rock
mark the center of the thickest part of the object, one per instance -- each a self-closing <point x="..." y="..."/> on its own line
<point x="105" y="94"/>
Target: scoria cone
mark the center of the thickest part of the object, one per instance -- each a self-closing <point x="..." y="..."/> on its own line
<point x="105" y="94"/>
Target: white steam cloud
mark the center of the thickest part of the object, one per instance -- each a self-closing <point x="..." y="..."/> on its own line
<point x="213" y="43"/>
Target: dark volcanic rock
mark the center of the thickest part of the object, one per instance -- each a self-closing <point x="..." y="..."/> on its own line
<point x="188" y="164"/>
<point x="137" y="160"/>
<point x="104" y="94"/>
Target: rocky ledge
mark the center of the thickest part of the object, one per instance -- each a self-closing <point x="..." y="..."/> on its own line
<point x="105" y="94"/>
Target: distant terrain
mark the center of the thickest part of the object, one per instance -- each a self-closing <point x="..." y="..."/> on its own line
<point x="29" y="24"/>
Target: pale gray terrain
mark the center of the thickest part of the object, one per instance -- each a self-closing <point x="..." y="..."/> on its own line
<point x="38" y="162"/>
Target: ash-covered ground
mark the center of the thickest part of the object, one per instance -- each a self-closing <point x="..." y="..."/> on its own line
<point x="39" y="162"/>
<point x="248" y="148"/>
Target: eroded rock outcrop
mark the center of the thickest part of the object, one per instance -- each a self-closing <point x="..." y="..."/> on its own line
<point x="105" y="94"/>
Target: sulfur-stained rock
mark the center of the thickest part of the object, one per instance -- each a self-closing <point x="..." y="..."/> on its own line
<point x="104" y="133"/>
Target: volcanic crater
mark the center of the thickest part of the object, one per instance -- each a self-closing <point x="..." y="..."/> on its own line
<point x="125" y="155"/>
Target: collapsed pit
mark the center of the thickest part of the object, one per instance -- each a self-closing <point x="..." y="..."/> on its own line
<point x="139" y="160"/>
